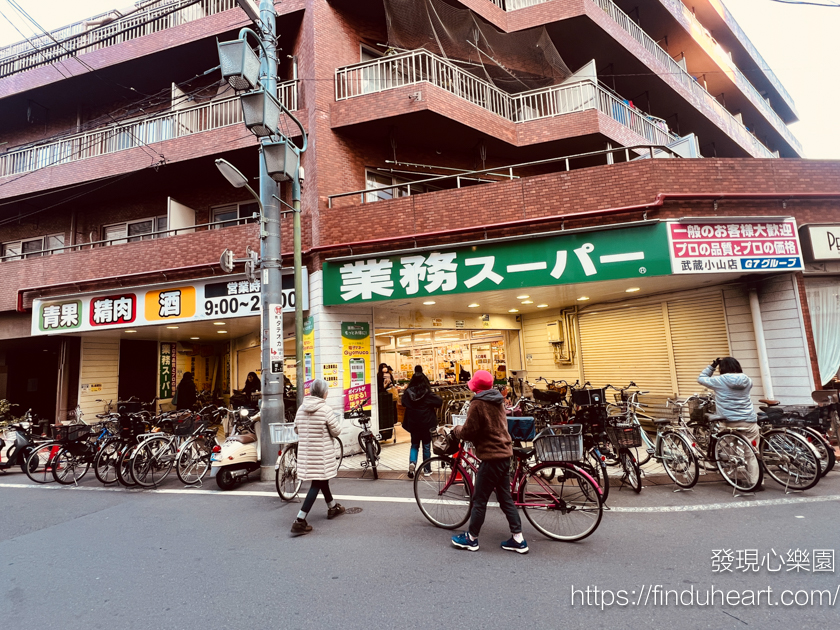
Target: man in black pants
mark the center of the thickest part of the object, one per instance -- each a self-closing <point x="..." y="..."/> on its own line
<point x="486" y="428"/>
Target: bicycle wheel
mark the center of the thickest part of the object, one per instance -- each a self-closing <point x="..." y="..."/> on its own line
<point x="193" y="461"/>
<point x="40" y="462"/>
<point x="566" y="508"/>
<point x="285" y="476"/>
<point x="678" y="460"/>
<point x="105" y="463"/>
<point x="789" y="459"/>
<point x="737" y="462"/>
<point x="599" y="472"/>
<point x="445" y="496"/>
<point x="361" y="439"/>
<point x="372" y="456"/>
<point x="153" y="461"/>
<point x="68" y="468"/>
<point x="631" y="470"/>
<point x="826" y="453"/>
<point x="339" y="452"/>
<point x="124" y="465"/>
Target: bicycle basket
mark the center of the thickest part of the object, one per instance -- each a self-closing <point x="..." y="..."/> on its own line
<point x="548" y="396"/>
<point x="283" y="432"/>
<point x="698" y="407"/>
<point x="521" y="428"/>
<point x="183" y="425"/>
<point x="458" y="419"/>
<point x="444" y="443"/>
<point x="560" y="443"/>
<point x="624" y="435"/>
<point x="584" y="397"/>
<point x="71" y="432"/>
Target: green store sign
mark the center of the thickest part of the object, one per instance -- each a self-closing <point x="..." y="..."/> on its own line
<point x="564" y="259"/>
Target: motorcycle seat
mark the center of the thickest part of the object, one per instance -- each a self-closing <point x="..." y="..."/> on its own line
<point x="768" y="402"/>
<point x="244" y="438"/>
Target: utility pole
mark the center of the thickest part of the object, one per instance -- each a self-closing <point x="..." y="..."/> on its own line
<point x="271" y="286"/>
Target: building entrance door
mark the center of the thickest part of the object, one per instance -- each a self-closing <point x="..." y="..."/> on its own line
<point x="138" y="369"/>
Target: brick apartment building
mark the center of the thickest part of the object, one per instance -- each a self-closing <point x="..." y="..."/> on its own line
<point x="479" y="193"/>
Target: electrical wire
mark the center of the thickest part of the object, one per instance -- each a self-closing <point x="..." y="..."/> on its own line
<point x="29" y="41"/>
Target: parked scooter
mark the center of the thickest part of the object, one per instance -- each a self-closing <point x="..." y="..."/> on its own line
<point x="231" y="462"/>
<point x="19" y="443"/>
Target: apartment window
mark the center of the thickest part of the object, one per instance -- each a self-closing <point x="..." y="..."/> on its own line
<point x="133" y="231"/>
<point x="374" y="179"/>
<point x="31" y="248"/>
<point x="235" y="214"/>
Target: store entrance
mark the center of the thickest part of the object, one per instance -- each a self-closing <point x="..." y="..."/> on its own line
<point x="138" y="369"/>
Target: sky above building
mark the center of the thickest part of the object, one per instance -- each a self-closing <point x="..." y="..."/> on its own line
<point x="799" y="43"/>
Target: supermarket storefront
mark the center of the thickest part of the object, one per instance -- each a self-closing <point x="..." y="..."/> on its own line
<point x="651" y="302"/>
<point x="139" y="341"/>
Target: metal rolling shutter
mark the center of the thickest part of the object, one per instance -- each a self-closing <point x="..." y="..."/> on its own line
<point x="627" y="344"/>
<point x="698" y="335"/>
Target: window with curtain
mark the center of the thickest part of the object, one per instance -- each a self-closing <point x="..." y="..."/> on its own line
<point x="824" y="304"/>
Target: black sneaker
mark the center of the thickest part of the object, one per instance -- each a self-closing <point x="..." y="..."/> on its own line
<point x="335" y="510"/>
<point x="300" y="527"/>
<point x="511" y="545"/>
<point x="411" y="468"/>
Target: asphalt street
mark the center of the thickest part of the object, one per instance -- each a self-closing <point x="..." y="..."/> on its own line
<point x="94" y="557"/>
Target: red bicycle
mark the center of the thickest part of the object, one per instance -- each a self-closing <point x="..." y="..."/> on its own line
<point x="561" y="500"/>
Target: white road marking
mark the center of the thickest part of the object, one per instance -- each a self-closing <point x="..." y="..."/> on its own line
<point x="373" y="499"/>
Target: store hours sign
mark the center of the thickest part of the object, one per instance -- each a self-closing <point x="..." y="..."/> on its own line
<point x="563" y="259"/>
<point x="211" y="298"/>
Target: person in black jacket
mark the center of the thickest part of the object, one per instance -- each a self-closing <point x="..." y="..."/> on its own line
<point x="420" y="418"/>
<point x="186" y="392"/>
<point x="252" y="384"/>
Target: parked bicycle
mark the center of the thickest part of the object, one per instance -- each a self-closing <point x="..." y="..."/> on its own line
<point x="368" y="442"/>
<point x="565" y="504"/>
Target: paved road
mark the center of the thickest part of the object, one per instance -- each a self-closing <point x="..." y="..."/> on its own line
<point x="90" y="557"/>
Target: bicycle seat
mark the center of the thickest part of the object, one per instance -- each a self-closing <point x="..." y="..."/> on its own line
<point x="661" y="421"/>
<point x="768" y="402"/>
<point x="523" y="453"/>
<point x="244" y="438"/>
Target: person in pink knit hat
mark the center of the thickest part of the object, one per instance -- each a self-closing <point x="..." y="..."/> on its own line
<point x="486" y="428"/>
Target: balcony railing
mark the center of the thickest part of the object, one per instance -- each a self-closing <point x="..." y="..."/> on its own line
<point x="420" y="66"/>
<point x="78" y="38"/>
<point x="740" y="80"/>
<point x="130" y="134"/>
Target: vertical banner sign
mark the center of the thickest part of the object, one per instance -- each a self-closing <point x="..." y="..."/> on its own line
<point x="308" y="353"/>
<point x="275" y="341"/>
<point x="167" y="370"/>
<point x="355" y="341"/>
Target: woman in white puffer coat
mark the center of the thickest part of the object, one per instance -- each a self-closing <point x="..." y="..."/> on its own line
<point x="316" y="425"/>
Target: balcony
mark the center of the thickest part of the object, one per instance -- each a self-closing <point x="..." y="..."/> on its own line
<point x="420" y="66"/>
<point x="131" y="134"/>
<point x="83" y="37"/>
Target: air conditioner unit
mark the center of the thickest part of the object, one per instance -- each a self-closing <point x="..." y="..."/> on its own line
<point x="556" y="331"/>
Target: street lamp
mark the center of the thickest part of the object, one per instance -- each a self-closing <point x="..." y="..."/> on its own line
<point x="240" y="66"/>
<point x="261" y="113"/>
<point x="281" y="161"/>
<point x="238" y="180"/>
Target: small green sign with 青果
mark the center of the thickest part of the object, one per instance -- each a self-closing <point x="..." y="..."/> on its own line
<point x="563" y="259"/>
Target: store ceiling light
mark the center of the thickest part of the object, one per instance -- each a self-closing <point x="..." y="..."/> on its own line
<point x="173" y="327"/>
<point x="522" y="297"/>
<point x="429" y="303"/>
<point x="542" y="305"/>
<point x="131" y="331"/>
<point x="222" y="332"/>
<point x="513" y="310"/>
<point x="528" y="302"/>
<point x="631" y="290"/>
<point x="218" y="323"/>
<point x="474" y="305"/>
<point x="195" y="337"/>
<point x="582" y="298"/>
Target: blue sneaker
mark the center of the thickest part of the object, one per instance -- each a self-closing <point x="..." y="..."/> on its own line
<point x="512" y="545"/>
<point x="463" y="541"/>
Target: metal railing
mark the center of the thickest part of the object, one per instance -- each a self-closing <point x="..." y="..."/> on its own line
<point x="131" y="134"/>
<point x="78" y="38"/>
<point x="403" y="188"/>
<point x="120" y="240"/>
<point x="736" y="128"/>
<point x="419" y="66"/>
<point x="692" y="24"/>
